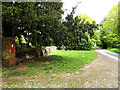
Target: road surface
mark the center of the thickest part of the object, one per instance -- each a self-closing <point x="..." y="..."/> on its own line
<point x="101" y="73"/>
<point x="107" y="53"/>
<point x="110" y="60"/>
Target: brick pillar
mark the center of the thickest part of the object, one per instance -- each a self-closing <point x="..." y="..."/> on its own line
<point x="12" y="59"/>
<point x="8" y="58"/>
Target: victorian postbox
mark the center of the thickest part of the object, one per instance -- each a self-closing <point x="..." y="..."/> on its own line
<point x="12" y="46"/>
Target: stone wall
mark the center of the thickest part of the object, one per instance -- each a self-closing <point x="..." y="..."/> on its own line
<point x="50" y="49"/>
<point x="28" y="53"/>
<point x="9" y="59"/>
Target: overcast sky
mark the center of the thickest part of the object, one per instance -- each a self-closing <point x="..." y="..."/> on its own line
<point x="96" y="9"/>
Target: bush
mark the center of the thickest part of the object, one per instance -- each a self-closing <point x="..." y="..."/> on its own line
<point x="99" y="43"/>
<point x="90" y="45"/>
<point x="83" y="45"/>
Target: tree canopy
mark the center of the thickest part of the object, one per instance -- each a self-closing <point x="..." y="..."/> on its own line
<point x="37" y="21"/>
<point x="109" y="29"/>
<point x="41" y="24"/>
<point x="79" y="32"/>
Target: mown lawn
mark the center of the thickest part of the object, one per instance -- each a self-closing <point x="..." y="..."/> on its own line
<point x="116" y="50"/>
<point x="42" y="70"/>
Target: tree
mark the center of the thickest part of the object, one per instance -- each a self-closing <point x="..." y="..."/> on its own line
<point x="80" y="31"/>
<point x="84" y="31"/>
<point x="41" y="25"/>
<point x="109" y="30"/>
<point x="36" y="21"/>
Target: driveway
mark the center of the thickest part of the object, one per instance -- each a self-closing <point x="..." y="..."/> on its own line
<point x="106" y="65"/>
<point x="107" y="53"/>
<point x="101" y="73"/>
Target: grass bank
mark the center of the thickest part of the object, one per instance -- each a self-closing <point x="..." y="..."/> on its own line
<point x="46" y="67"/>
<point x="116" y="50"/>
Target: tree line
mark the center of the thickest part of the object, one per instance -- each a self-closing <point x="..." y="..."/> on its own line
<point x="41" y="24"/>
<point x="109" y="30"/>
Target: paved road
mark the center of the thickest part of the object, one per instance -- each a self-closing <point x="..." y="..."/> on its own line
<point x="112" y="62"/>
<point x="107" y="53"/>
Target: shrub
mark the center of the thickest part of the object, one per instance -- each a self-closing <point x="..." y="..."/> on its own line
<point x="99" y="43"/>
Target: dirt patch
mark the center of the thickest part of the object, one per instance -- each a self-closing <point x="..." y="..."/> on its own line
<point x="21" y="69"/>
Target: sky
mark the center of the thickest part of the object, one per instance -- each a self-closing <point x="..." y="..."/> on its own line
<point x="96" y="9"/>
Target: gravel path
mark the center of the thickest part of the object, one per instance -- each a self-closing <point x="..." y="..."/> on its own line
<point x="101" y="73"/>
<point x="106" y="64"/>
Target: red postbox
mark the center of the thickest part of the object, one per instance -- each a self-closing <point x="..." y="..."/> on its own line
<point x="12" y="46"/>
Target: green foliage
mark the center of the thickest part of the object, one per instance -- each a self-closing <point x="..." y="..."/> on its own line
<point x="116" y="50"/>
<point x="97" y="35"/>
<point x="41" y="24"/>
<point x="38" y="20"/>
<point x="86" y="17"/>
<point x="109" y="30"/>
<point x="79" y="32"/>
<point x="99" y="43"/>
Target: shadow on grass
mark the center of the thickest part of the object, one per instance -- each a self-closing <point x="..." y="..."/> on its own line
<point x="51" y="64"/>
<point x="44" y="63"/>
<point x="57" y="58"/>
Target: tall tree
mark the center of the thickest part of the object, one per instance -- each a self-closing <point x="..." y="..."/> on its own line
<point x="109" y="30"/>
<point x="37" y="21"/>
<point x="80" y="31"/>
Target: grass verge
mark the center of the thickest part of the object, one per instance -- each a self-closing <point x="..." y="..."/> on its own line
<point x="116" y="50"/>
<point x="58" y="63"/>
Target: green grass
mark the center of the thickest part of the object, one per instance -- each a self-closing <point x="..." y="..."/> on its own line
<point x="60" y="62"/>
<point x="12" y="68"/>
<point x="69" y="61"/>
<point x="116" y="50"/>
<point x="9" y="74"/>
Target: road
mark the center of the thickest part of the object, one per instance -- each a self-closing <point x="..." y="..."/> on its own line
<point x="101" y="73"/>
<point x="111" y="61"/>
<point x="107" y="53"/>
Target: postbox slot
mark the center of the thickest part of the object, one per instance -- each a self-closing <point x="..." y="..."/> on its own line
<point x="12" y="45"/>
